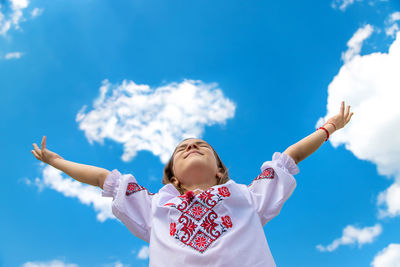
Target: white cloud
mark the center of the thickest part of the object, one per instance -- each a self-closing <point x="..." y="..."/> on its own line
<point x="355" y="43"/>
<point x="36" y="12"/>
<point x="342" y="4"/>
<point x="392" y="27"/>
<point x="19" y="4"/>
<point x="119" y="264"/>
<point x="391" y="31"/>
<point x="54" y="263"/>
<point x="388" y="257"/>
<point x="370" y="84"/>
<point x="143" y="253"/>
<point x="13" y="55"/>
<point x="395" y="16"/>
<point x="157" y="119"/>
<point x="86" y="194"/>
<point x="14" y="17"/>
<point x="390" y="200"/>
<point x="352" y="235"/>
<point x="115" y="264"/>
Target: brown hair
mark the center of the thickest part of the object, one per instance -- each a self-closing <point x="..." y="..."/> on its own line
<point x="169" y="173"/>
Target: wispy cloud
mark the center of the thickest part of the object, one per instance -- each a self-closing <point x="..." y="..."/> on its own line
<point x="355" y="43"/>
<point x="156" y="119"/>
<point x="36" y="12"/>
<point x="388" y="257"/>
<point x="13" y="55"/>
<point x="143" y="253"/>
<point x="342" y="4"/>
<point x="391" y="26"/>
<point x="116" y="264"/>
<point x="353" y="235"/>
<point x="53" y="263"/>
<point x="59" y="263"/>
<point x="11" y="18"/>
<point x="86" y="194"/>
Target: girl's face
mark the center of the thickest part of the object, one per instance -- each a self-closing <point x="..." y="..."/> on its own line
<point x="194" y="162"/>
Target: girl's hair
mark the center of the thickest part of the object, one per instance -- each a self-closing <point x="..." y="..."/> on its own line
<point x="169" y="173"/>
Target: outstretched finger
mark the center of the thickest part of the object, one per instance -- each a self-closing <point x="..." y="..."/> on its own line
<point x="37" y="149"/>
<point x="347" y="111"/>
<point x="35" y="154"/>
<point x="349" y="117"/>
<point x="43" y="143"/>
<point x="342" y="108"/>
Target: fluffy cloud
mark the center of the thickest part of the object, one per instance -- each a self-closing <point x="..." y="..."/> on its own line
<point x="370" y="84"/>
<point x="352" y="235"/>
<point x="388" y="257"/>
<point x="86" y="194"/>
<point x="156" y="120"/>
<point x="389" y="201"/>
<point x="143" y="253"/>
<point x="54" y="263"/>
<point x="12" y="18"/>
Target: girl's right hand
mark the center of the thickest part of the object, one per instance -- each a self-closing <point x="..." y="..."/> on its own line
<point x="44" y="154"/>
<point x="342" y="118"/>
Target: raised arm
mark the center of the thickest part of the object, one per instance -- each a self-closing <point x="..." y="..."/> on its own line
<point x="83" y="173"/>
<point x="311" y="143"/>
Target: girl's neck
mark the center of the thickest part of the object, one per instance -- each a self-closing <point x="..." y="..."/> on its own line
<point x="193" y="187"/>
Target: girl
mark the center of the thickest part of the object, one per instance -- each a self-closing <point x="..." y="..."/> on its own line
<point x="201" y="217"/>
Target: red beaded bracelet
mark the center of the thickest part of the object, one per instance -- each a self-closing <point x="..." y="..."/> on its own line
<point x="327" y="132"/>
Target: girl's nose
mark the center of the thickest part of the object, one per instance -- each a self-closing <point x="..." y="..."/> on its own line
<point x="190" y="146"/>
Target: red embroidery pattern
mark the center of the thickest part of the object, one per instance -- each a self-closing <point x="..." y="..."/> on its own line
<point x="268" y="173"/>
<point x="223" y="191"/>
<point x="226" y="220"/>
<point x="172" y="228"/>
<point x="198" y="226"/>
<point x="197" y="210"/>
<point x="134" y="187"/>
<point x="201" y="241"/>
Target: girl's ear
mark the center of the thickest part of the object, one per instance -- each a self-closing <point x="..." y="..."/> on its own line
<point x="175" y="181"/>
<point x="219" y="175"/>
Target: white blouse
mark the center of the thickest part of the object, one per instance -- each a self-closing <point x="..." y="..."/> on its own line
<point x="222" y="226"/>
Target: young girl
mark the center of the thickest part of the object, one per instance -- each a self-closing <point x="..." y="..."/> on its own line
<point x="201" y="217"/>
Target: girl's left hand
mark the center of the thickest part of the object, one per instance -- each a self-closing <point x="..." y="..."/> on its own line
<point x="341" y="119"/>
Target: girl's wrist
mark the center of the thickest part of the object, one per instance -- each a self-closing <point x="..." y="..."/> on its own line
<point x="54" y="161"/>
<point x="331" y="129"/>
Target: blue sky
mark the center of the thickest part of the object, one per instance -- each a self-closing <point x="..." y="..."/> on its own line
<point x="117" y="84"/>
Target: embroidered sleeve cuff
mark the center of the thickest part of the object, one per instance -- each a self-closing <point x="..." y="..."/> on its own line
<point x="111" y="184"/>
<point x="286" y="162"/>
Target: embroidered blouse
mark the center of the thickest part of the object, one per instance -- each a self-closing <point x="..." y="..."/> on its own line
<point x="222" y="226"/>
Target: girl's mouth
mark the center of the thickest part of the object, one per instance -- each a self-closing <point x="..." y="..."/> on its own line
<point x="191" y="152"/>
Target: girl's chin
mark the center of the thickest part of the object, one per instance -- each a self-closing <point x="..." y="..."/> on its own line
<point x="197" y="163"/>
<point x="196" y="159"/>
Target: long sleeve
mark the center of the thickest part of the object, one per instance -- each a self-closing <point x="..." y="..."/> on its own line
<point x="131" y="203"/>
<point x="270" y="190"/>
